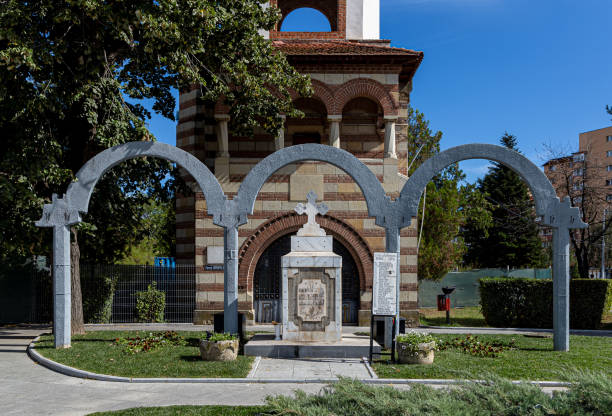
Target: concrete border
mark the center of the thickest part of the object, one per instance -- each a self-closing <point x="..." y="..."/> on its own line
<point x="75" y="372"/>
<point x="368" y="367"/>
<point x="254" y="367"/>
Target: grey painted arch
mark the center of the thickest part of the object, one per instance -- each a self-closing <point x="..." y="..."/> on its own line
<point x="376" y="200"/>
<point x="544" y="194"/>
<point x="79" y="192"/>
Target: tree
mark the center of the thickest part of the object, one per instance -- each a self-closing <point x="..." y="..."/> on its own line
<point x="582" y="176"/>
<point x="72" y="73"/>
<point x="156" y="234"/>
<point x="446" y="205"/>
<point x="513" y="237"/>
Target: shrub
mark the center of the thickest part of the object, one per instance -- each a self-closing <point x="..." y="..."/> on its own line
<point x="150" y="304"/>
<point x="474" y="346"/>
<point x="219" y="336"/>
<point x="528" y="303"/>
<point x="98" y="299"/>
<point x="590" y="395"/>
<point x="150" y="342"/>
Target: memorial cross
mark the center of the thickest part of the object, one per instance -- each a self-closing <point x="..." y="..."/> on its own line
<point x="311" y="208"/>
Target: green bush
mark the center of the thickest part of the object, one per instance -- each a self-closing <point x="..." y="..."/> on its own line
<point x="98" y="299"/>
<point x="220" y="336"/>
<point x="150" y="304"/>
<point x="590" y="395"/>
<point x="528" y="303"/>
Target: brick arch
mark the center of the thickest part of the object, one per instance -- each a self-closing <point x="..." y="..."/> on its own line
<point x="328" y="8"/>
<point x="364" y="87"/>
<point x="252" y="249"/>
<point x="322" y="93"/>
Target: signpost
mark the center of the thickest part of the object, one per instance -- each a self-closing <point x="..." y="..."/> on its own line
<point x="384" y="295"/>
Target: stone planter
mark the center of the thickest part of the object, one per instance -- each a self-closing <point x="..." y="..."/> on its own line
<point x="219" y="350"/>
<point x="423" y="355"/>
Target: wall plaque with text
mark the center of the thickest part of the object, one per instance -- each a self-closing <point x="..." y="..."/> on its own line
<point x="384" y="290"/>
<point x="311" y="300"/>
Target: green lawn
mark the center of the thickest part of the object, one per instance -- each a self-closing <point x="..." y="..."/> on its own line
<point x="187" y="411"/>
<point x="534" y="359"/>
<point x="469" y="316"/>
<point x="96" y="352"/>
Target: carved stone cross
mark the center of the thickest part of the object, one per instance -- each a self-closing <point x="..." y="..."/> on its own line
<point x="311" y="209"/>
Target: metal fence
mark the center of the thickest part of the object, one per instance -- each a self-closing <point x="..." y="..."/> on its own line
<point x="108" y="291"/>
<point x="25" y="295"/>
<point x="122" y="282"/>
<point x="467" y="291"/>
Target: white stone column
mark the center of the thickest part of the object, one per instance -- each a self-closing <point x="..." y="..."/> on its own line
<point x="222" y="135"/>
<point x="279" y="140"/>
<point x="390" y="137"/>
<point x="334" y="130"/>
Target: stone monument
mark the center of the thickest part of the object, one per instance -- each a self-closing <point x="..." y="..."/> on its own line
<point x="312" y="282"/>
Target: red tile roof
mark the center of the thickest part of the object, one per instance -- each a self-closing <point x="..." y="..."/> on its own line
<point x="339" y="47"/>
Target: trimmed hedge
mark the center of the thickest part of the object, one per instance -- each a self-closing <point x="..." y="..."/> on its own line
<point x="528" y="303"/>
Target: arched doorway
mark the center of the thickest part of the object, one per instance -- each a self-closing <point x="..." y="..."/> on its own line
<point x="267" y="283"/>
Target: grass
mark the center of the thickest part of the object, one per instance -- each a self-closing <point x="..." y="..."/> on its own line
<point x="471" y="316"/>
<point x="590" y="395"/>
<point x="606" y="322"/>
<point x="96" y="352"/>
<point x="534" y="359"/>
<point x="187" y="411"/>
<point x="468" y="316"/>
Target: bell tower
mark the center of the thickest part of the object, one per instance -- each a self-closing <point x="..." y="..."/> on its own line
<point x="348" y="19"/>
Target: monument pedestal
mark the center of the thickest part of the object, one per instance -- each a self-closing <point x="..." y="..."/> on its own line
<point x="312" y="290"/>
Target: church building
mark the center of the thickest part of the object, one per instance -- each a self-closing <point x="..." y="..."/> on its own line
<point x="362" y="90"/>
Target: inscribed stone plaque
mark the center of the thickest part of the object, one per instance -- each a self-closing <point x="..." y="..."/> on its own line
<point x="311" y="300"/>
<point x="384" y="291"/>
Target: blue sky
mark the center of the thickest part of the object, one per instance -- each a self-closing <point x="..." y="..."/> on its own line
<point x="539" y="69"/>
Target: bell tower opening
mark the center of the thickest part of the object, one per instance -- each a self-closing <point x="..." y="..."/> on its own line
<point x="305" y="19"/>
<point x="348" y="19"/>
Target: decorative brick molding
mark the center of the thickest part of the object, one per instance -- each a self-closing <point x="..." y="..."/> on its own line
<point x="264" y="236"/>
<point x="323" y="93"/>
<point x="363" y="87"/>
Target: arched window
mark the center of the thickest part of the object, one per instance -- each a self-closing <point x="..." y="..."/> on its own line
<point x="306" y="19"/>
<point x="310" y="128"/>
<point x="360" y="128"/>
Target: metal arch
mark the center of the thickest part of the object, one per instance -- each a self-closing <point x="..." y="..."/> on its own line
<point x="79" y="192"/>
<point x="376" y="200"/>
<point x="544" y="194"/>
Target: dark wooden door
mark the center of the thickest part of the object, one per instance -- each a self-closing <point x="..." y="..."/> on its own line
<point x="268" y="283"/>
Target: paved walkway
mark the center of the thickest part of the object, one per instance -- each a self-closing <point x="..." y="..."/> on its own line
<point x="311" y="368"/>
<point x="30" y="389"/>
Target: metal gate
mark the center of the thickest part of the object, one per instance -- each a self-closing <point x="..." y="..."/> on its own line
<point x="267" y="283"/>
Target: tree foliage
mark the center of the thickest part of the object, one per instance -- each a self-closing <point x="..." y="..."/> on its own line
<point x="512" y="239"/>
<point x="449" y="204"/>
<point x="72" y="77"/>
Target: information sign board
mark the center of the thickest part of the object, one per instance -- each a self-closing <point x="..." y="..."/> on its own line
<point x="384" y="291"/>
